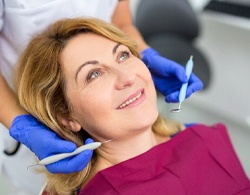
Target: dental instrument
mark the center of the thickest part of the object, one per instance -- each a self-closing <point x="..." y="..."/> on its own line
<point x="57" y="157"/>
<point x="183" y="90"/>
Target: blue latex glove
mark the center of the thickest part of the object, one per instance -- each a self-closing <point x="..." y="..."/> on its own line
<point x="168" y="76"/>
<point x="44" y="142"/>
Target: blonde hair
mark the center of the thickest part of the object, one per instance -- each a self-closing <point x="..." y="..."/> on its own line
<point x="40" y="86"/>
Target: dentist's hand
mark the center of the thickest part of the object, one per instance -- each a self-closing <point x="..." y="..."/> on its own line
<point x="168" y="75"/>
<point x="44" y="142"/>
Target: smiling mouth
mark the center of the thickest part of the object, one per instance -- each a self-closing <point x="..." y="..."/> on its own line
<point x="128" y="102"/>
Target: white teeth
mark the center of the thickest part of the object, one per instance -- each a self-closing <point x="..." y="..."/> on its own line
<point x="130" y="101"/>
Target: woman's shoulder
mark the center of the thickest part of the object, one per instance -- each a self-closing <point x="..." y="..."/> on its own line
<point x="210" y="134"/>
<point x="204" y="131"/>
<point x="217" y="141"/>
<point x="214" y="138"/>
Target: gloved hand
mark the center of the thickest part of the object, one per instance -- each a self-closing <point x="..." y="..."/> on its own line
<point x="44" y="142"/>
<point x="168" y="76"/>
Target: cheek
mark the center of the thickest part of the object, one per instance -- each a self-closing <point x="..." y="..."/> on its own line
<point x="94" y="119"/>
<point x="143" y="68"/>
<point x="91" y="106"/>
<point x="147" y="77"/>
<point x="145" y="74"/>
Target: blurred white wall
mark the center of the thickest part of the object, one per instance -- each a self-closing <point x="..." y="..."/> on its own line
<point x="198" y="4"/>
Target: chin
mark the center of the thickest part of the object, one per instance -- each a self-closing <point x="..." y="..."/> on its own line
<point x="149" y="118"/>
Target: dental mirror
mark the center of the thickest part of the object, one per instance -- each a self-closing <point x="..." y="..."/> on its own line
<point x="183" y="90"/>
<point x="176" y="110"/>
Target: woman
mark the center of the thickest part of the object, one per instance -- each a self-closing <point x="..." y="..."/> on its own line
<point x="84" y="78"/>
<point x="19" y="20"/>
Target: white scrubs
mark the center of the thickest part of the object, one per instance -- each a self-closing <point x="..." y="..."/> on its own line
<point x="19" y="21"/>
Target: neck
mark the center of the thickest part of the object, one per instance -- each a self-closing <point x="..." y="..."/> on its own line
<point x="126" y="147"/>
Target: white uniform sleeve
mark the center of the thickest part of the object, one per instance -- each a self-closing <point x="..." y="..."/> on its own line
<point x="1" y="15"/>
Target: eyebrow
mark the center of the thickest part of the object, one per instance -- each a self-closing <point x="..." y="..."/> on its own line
<point x="116" y="47"/>
<point x="93" y="62"/>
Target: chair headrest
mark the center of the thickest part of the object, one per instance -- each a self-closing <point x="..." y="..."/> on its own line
<point x="171" y="16"/>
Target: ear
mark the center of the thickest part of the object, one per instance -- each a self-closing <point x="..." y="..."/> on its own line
<point x="71" y="124"/>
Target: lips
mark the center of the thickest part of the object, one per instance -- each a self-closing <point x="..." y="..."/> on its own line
<point x="131" y="99"/>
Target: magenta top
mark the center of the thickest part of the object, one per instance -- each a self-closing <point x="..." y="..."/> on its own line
<point x="199" y="160"/>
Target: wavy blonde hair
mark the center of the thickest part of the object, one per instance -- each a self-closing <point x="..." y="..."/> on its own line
<point x="40" y="87"/>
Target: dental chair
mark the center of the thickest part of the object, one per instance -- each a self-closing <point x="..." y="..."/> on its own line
<point x="171" y="27"/>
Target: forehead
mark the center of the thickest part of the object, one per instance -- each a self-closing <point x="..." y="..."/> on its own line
<point x="85" y="47"/>
<point x="86" y="44"/>
<point x="85" y="40"/>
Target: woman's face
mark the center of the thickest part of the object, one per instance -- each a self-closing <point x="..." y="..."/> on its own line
<point x="111" y="91"/>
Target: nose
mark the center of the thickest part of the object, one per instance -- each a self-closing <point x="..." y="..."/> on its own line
<point x="124" y="78"/>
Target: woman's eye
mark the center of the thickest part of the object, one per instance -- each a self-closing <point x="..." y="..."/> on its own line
<point x="124" y="55"/>
<point x="93" y="74"/>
